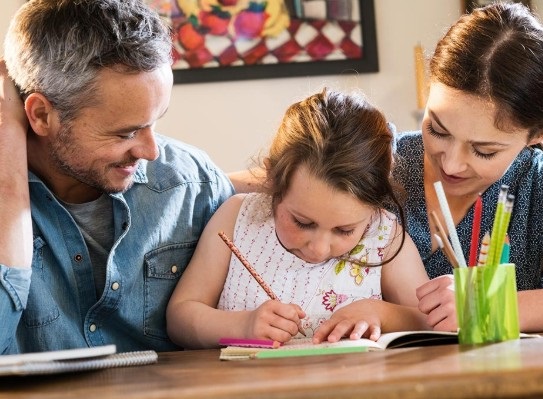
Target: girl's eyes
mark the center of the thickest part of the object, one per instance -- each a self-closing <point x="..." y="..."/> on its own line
<point x="306" y="226"/>
<point x="477" y="153"/>
<point x="346" y="232"/>
<point x="303" y="226"/>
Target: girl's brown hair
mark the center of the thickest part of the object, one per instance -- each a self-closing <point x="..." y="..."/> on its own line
<point x="343" y="140"/>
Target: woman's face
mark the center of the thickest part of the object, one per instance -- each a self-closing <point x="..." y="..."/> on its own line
<point x="462" y="146"/>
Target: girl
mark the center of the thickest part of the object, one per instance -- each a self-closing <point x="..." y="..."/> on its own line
<point x="318" y="235"/>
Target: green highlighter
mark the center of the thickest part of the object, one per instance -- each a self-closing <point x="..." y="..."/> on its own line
<point x="317" y="350"/>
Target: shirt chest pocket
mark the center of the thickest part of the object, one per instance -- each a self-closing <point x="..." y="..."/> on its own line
<point x="163" y="268"/>
<point x="41" y="309"/>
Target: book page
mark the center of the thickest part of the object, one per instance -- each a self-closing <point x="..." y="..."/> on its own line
<point x="405" y="339"/>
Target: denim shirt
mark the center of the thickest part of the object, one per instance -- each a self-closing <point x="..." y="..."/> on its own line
<point x="157" y="223"/>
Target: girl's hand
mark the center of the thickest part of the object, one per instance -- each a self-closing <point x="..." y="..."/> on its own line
<point x="274" y="320"/>
<point x="436" y="300"/>
<point x="360" y="319"/>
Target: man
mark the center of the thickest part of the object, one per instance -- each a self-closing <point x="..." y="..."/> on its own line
<point x="116" y="209"/>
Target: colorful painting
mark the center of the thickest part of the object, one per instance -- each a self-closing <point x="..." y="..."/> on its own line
<point x="216" y="40"/>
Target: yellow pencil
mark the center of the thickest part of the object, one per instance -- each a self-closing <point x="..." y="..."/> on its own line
<point x="483" y="253"/>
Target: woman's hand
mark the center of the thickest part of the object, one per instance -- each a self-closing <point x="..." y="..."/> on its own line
<point x="437" y="301"/>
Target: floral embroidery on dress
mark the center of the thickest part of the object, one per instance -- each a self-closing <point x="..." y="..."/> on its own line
<point x="384" y="232"/>
<point x="310" y="324"/>
<point x="359" y="272"/>
<point x="355" y="251"/>
<point x="358" y="268"/>
<point x="331" y="299"/>
<point x="319" y="289"/>
<point x="375" y="296"/>
<point x="340" y="266"/>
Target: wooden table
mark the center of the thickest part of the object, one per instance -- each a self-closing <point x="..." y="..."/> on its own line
<point x="511" y="369"/>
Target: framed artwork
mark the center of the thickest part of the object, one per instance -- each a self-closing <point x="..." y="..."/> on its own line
<point x="469" y="5"/>
<point x="224" y="40"/>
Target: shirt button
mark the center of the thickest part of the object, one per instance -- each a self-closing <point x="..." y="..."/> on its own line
<point x="92" y="327"/>
<point x="78" y="258"/>
<point x="115" y="286"/>
<point x="174" y="269"/>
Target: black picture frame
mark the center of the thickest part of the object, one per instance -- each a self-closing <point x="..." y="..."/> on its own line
<point x="469" y="5"/>
<point x="367" y="62"/>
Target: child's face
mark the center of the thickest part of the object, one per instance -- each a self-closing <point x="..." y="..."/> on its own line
<point x="462" y="146"/>
<point x="317" y="223"/>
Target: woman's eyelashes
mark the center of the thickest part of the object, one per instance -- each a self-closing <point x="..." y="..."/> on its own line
<point x="434" y="132"/>
<point x="483" y="155"/>
<point x="474" y="150"/>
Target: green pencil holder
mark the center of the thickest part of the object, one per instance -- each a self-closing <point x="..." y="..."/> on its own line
<point x="486" y="304"/>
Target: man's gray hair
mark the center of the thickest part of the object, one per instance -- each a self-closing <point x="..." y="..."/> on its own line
<point x="57" y="47"/>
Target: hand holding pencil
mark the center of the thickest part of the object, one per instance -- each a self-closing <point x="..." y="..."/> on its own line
<point x="253" y="272"/>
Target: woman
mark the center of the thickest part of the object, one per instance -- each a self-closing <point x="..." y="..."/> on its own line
<point x="484" y="112"/>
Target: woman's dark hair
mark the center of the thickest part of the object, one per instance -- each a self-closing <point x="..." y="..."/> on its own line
<point x="496" y="52"/>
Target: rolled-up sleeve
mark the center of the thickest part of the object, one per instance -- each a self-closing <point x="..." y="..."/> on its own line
<point x="14" y="289"/>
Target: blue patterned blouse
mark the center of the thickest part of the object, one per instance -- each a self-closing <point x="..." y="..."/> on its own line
<point x="525" y="180"/>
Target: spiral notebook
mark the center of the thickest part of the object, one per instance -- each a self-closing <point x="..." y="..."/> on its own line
<point x="72" y="360"/>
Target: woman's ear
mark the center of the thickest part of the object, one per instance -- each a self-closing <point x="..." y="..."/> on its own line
<point x="536" y="140"/>
<point x="41" y="114"/>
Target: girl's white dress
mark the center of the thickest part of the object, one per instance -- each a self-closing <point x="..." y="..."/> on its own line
<point x="319" y="289"/>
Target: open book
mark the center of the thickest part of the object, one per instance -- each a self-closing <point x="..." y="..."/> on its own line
<point x="304" y="346"/>
<point x="71" y="360"/>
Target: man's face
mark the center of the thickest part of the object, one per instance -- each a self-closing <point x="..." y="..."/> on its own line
<point x="100" y="149"/>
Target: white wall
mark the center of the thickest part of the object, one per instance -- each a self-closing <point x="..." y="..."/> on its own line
<point x="233" y="120"/>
